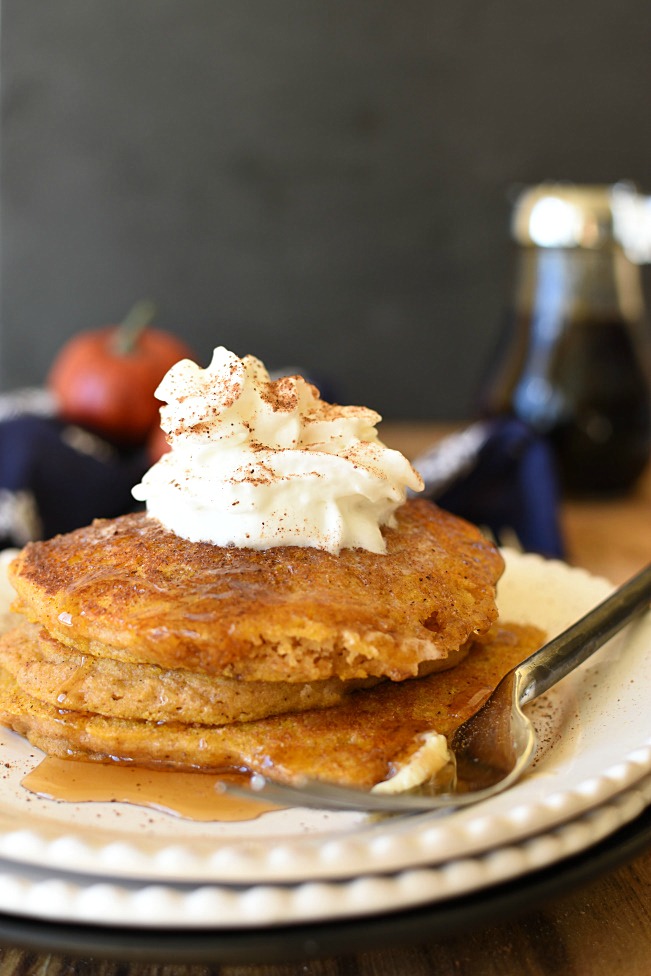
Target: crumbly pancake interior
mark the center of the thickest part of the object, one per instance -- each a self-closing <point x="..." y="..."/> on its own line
<point x="66" y="679"/>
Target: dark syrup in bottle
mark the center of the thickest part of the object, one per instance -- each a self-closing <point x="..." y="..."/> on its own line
<point x="588" y="392"/>
<point x="575" y="358"/>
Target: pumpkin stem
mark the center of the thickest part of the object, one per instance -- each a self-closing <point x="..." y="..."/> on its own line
<point x="128" y="331"/>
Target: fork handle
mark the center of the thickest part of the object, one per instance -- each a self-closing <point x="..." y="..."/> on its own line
<point x="561" y="655"/>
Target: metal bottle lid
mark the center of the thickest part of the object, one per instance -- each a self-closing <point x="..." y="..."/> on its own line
<point x="591" y="216"/>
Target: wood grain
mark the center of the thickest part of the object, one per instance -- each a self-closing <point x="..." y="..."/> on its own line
<point x="601" y="929"/>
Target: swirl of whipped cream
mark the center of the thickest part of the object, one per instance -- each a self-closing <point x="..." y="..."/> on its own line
<point x="257" y="463"/>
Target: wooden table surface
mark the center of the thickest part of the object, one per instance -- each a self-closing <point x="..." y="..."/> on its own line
<point x="602" y="928"/>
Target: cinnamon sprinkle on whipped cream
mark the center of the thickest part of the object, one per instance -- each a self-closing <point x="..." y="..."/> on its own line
<point x="256" y="463"/>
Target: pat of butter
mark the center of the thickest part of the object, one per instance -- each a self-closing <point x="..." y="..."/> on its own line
<point x="422" y="766"/>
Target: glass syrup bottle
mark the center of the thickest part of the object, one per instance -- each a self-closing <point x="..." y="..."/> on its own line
<point x="575" y="358"/>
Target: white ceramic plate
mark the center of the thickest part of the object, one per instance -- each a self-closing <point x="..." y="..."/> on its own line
<point x="596" y="732"/>
<point x="48" y="896"/>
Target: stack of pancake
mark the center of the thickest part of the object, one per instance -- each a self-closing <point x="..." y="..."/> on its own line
<point x="138" y="646"/>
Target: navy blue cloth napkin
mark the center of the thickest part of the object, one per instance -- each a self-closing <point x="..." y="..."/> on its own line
<point x="502" y="476"/>
<point x="55" y="477"/>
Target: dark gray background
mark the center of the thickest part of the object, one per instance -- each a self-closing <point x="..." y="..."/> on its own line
<point x="318" y="182"/>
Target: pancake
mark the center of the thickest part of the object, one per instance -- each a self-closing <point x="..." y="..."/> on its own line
<point x="129" y="590"/>
<point x="66" y="679"/>
<point x="359" y="742"/>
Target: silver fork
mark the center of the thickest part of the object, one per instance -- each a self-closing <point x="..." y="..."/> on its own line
<point x="492" y="749"/>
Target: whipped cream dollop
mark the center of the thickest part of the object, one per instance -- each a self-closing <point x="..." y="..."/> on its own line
<point x="257" y="463"/>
